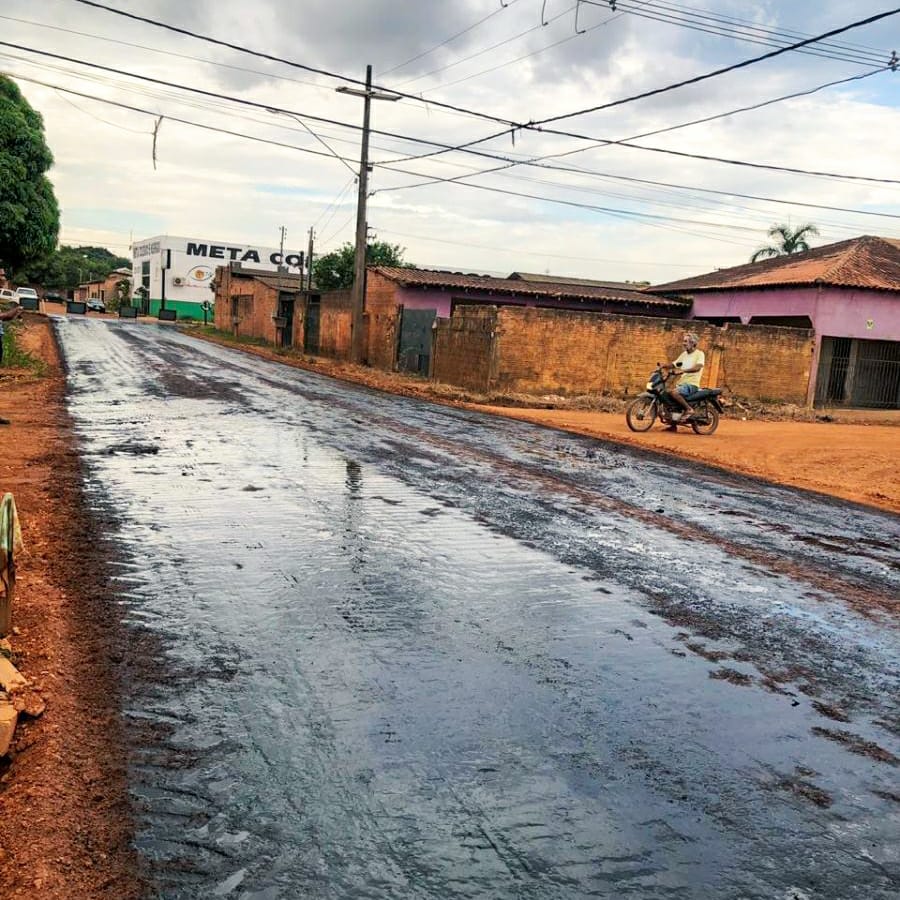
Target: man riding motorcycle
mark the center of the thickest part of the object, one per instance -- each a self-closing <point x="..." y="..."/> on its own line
<point x="690" y="363"/>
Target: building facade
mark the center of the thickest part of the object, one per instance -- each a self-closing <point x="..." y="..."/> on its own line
<point x="848" y="293"/>
<point x="176" y="273"/>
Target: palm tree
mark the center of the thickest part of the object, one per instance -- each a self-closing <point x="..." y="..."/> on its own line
<point x="788" y="241"/>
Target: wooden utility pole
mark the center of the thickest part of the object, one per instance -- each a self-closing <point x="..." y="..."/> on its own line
<point x="358" y="294"/>
<point x="309" y="260"/>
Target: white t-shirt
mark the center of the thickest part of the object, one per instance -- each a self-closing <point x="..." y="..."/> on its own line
<point x="688" y="361"/>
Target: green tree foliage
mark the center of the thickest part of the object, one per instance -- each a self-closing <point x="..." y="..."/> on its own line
<point x="787" y="241"/>
<point x="68" y="266"/>
<point x="29" y="214"/>
<point x="334" y="270"/>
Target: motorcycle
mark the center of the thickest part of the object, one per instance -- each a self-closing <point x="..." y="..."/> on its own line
<point x="655" y="403"/>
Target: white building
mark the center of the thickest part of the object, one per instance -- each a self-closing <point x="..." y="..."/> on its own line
<point x="176" y="273"/>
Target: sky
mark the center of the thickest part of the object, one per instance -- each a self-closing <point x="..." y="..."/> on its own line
<point x="597" y="219"/>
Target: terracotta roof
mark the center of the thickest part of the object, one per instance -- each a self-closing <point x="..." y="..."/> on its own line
<point x="557" y="290"/>
<point x="584" y="282"/>
<point x="284" y="280"/>
<point x="863" y="262"/>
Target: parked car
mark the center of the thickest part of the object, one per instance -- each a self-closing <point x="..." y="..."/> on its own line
<point x="28" y="292"/>
<point x="54" y="297"/>
<point x="8" y="296"/>
<point x="95" y="304"/>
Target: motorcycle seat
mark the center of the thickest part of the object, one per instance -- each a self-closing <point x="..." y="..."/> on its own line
<point x="703" y="394"/>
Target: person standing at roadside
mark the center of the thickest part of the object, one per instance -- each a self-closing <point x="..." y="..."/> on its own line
<point x="7" y="316"/>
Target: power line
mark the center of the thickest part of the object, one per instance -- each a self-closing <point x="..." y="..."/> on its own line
<point x="278" y="59"/>
<point x="606" y="176"/>
<point x="719" y="27"/>
<point x="426" y="104"/>
<point x="443" y="148"/>
<point x="533" y="53"/>
<point x="495" y="46"/>
<point x="450" y="39"/>
<point x="479" y="246"/>
<point x="697" y="79"/>
<point x="630" y="215"/>
<point x="530" y="125"/>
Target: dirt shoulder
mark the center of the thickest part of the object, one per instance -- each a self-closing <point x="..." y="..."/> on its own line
<point x="65" y="822"/>
<point x="853" y="460"/>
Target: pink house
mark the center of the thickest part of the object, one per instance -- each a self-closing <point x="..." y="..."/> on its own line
<point x="848" y="293"/>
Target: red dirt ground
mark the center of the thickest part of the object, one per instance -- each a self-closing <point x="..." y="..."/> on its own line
<point x="852" y="460"/>
<point x="65" y="824"/>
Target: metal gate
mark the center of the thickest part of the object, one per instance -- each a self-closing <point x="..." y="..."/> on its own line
<point x="311" y="333"/>
<point x="414" y="346"/>
<point x="284" y="321"/>
<point x="858" y="373"/>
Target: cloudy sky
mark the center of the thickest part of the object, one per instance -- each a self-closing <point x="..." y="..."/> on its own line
<point x="598" y="217"/>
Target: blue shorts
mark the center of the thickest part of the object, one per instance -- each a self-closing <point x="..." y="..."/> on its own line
<point x="687" y="389"/>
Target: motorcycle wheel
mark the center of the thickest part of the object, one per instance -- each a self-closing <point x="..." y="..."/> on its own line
<point x="706" y="420"/>
<point x="641" y="413"/>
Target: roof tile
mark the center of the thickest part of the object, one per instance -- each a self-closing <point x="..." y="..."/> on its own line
<point x="546" y="289"/>
<point x="864" y="262"/>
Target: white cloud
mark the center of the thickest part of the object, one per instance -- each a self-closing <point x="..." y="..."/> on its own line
<point x="220" y="186"/>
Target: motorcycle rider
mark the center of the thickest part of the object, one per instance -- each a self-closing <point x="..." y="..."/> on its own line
<point x="690" y="363"/>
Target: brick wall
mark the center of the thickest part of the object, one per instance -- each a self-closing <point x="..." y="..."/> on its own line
<point x="334" y="324"/>
<point x="766" y="363"/>
<point x="545" y="351"/>
<point x="465" y="348"/>
<point x="382" y="321"/>
<point x="244" y="306"/>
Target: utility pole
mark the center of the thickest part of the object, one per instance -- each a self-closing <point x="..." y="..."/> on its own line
<point x="309" y="260"/>
<point x="358" y="295"/>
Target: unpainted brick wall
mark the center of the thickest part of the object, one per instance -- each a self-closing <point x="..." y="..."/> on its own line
<point x="334" y="324"/>
<point x="545" y="351"/>
<point x="762" y="362"/>
<point x="256" y="305"/>
<point x="465" y="348"/>
<point x="382" y="321"/>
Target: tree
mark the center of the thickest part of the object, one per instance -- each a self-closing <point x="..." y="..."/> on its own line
<point x="68" y="266"/>
<point x="788" y="241"/>
<point x="29" y="213"/>
<point x="334" y="270"/>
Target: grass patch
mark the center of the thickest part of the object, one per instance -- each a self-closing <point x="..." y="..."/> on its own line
<point x="14" y="357"/>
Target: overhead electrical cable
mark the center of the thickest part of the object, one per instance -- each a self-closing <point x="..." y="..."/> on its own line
<point x="733" y="67"/>
<point x="739" y="28"/>
<point x="630" y="215"/>
<point x="443" y="148"/>
<point x="532" y="125"/>
<point x="672" y="189"/>
<point x="450" y="39"/>
<point x="536" y="161"/>
<point x="759" y="37"/>
<point x="287" y="62"/>
<point x="786" y="32"/>
<point x="489" y="49"/>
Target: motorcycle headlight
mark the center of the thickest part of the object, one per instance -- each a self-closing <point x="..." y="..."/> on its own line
<point x="650" y="385"/>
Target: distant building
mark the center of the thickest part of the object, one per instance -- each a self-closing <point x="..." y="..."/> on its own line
<point x="848" y="292"/>
<point x="103" y="288"/>
<point x="177" y="272"/>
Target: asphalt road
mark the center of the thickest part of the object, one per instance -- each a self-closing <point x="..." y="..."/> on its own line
<point x="380" y="648"/>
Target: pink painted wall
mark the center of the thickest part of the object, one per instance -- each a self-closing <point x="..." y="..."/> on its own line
<point x="424" y="298"/>
<point x="835" y="312"/>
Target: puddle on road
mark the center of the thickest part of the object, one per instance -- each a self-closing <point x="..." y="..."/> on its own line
<point x="373" y="689"/>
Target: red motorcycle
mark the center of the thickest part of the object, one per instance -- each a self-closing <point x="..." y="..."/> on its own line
<point x="655" y="403"/>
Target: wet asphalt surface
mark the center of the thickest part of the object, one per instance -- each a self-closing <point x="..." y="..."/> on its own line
<point x="379" y="648"/>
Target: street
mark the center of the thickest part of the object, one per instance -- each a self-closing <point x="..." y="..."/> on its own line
<point x="381" y="648"/>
